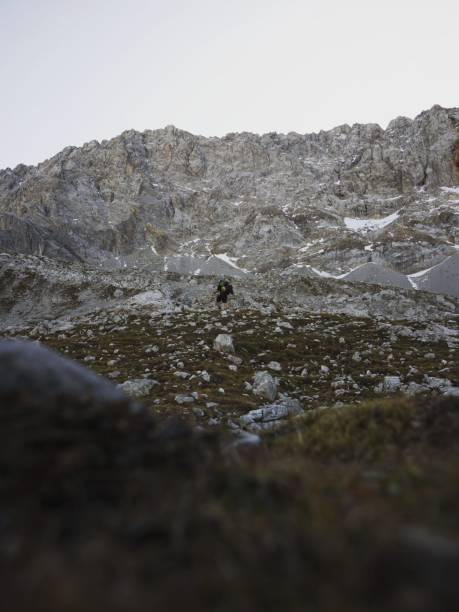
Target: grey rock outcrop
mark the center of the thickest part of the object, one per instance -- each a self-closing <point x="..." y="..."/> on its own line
<point x="269" y="415"/>
<point x="168" y="200"/>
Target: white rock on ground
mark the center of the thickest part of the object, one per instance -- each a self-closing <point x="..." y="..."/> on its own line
<point x="391" y="384"/>
<point x="265" y="386"/>
<point x="183" y="375"/>
<point x="137" y="387"/>
<point x="441" y="384"/>
<point x="223" y="343"/>
<point x="284" y="324"/>
<point x="266" y="415"/>
<point x="414" y="388"/>
<point x="184" y="399"/>
<point x="236" y="360"/>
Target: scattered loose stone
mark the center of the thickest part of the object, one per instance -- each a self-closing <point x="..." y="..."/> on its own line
<point x="236" y="360"/>
<point x="184" y="399"/>
<point x="182" y="375"/>
<point x="284" y="324"/>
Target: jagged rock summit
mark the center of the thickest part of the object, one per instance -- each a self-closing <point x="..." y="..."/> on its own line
<point x="169" y="200"/>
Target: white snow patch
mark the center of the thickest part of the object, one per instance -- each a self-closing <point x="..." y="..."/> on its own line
<point x="186" y="244"/>
<point x="324" y="274"/>
<point x="422" y="272"/>
<point x="153" y="250"/>
<point x="369" y="247"/>
<point x="349" y="271"/>
<point x="321" y="273"/>
<point x="450" y="189"/>
<point x="231" y="261"/>
<point x="370" y="225"/>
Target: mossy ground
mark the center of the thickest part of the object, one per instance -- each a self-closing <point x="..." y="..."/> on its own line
<point x="156" y="347"/>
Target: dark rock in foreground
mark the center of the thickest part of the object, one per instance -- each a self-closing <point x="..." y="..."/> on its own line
<point x="33" y="377"/>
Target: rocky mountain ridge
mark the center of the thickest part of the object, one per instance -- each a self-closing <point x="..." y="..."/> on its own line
<point x="319" y="203"/>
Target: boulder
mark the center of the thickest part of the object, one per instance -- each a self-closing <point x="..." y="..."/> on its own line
<point x="391" y="384"/>
<point x="184" y="399"/>
<point x="264" y="386"/>
<point x="34" y="377"/>
<point x="223" y="343"/>
<point x="138" y="387"/>
<point x="266" y="416"/>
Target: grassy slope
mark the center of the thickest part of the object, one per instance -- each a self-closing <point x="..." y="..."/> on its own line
<point x="314" y="341"/>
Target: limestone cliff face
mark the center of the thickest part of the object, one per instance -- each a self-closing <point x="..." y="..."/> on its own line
<point x="270" y="201"/>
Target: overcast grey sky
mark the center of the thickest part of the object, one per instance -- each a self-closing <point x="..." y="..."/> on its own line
<point x="77" y="70"/>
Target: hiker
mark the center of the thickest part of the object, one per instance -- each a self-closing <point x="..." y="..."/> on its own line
<point x="224" y="289"/>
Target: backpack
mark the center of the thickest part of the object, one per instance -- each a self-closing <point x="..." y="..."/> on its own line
<point x="229" y="287"/>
